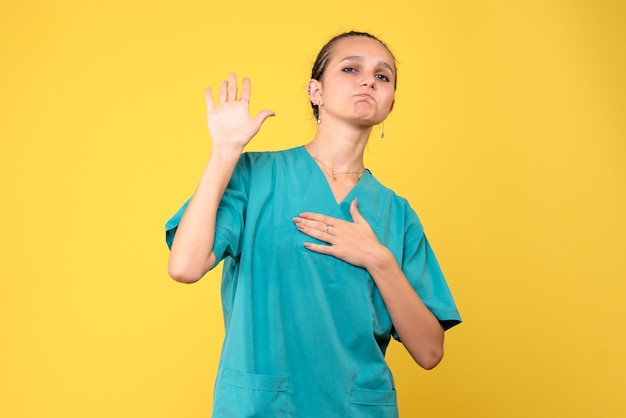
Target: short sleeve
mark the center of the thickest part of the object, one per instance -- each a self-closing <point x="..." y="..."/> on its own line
<point x="172" y="224"/>
<point x="230" y="215"/>
<point x="421" y="268"/>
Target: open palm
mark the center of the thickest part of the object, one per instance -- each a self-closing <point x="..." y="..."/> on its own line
<point x="230" y="123"/>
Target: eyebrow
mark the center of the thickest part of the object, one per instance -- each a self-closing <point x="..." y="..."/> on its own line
<point x="359" y="58"/>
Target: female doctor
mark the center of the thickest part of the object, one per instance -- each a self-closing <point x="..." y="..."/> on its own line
<point x="322" y="263"/>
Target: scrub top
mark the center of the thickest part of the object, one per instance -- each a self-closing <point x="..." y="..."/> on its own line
<point x="306" y="333"/>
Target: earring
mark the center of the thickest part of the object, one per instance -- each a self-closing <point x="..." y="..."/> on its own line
<point x="381" y="130"/>
<point x="318" y="120"/>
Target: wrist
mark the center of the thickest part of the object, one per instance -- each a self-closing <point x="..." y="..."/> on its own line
<point x="226" y="153"/>
<point x="380" y="260"/>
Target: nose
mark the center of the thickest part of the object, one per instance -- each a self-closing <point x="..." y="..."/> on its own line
<point x="368" y="81"/>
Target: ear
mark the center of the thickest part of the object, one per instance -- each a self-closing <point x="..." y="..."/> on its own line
<point x="315" y="92"/>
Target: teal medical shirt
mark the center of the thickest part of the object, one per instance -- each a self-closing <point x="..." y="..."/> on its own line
<point x="306" y="333"/>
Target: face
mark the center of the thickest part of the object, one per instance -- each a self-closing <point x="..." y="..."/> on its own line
<point x="358" y="84"/>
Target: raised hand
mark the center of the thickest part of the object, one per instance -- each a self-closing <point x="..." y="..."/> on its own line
<point x="230" y="123"/>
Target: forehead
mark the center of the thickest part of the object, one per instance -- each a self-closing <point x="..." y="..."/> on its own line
<point x="360" y="46"/>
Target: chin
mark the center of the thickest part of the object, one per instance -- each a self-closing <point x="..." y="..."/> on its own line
<point x="369" y="119"/>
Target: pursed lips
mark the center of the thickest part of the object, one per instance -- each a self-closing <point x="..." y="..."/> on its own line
<point x="365" y="96"/>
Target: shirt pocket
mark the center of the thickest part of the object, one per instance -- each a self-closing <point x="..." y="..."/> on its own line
<point x="368" y="403"/>
<point x="240" y="394"/>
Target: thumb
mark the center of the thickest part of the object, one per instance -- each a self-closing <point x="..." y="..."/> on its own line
<point x="354" y="211"/>
<point x="208" y="97"/>
<point x="262" y="115"/>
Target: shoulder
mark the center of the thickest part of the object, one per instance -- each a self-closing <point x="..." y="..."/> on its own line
<point x="261" y="159"/>
<point x="264" y="168"/>
<point x="397" y="206"/>
<point x="397" y="201"/>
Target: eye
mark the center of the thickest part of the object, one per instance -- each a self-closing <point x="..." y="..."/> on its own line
<point x="382" y="77"/>
<point x="349" y="70"/>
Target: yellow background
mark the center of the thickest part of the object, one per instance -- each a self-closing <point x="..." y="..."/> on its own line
<point x="508" y="137"/>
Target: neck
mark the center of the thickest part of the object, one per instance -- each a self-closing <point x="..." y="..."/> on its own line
<point x="339" y="149"/>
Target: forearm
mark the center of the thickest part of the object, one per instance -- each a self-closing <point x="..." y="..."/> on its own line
<point x="191" y="254"/>
<point x="418" y="329"/>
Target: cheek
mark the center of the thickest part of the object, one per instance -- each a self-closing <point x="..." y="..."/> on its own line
<point x="389" y="101"/>
<point x="338" y="91"/>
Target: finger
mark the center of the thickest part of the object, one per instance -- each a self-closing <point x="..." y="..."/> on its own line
<point x="354" y="211"/>
<point x="208" y="97"/>
<point x="316" y="225"/>
<point x="223" y="91"/>
<point x="262" y="115"/>
<point x="232" y="86"/>
<point x="246" y="89"/>
<point x="318" y="217"/>
<point x="316" y="230"/>
<point x="319" y="248"/>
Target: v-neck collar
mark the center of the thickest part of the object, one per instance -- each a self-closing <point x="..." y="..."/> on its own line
<point x="321" y="178"/>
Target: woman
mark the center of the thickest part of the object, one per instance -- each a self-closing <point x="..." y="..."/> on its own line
<point x="322" y="263"/>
